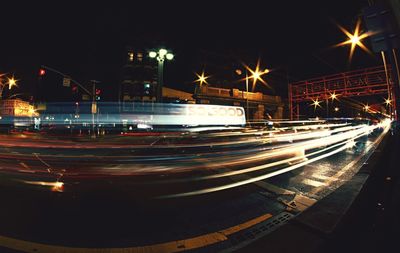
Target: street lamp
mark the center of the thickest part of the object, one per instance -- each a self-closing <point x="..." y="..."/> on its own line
<point x="355" y="39"/>
<point x="256" y="75"/>
<point x="161" y="55"/>
<point x="11" y="82"/>
<point x="316" y="103"/>
<point x="201" y="78"/>
<point x="332" y="96"/>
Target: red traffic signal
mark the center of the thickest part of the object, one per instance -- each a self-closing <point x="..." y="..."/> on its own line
<point x="74" y="88"/>
<point x="42" y="72"/>
<point x="98" y="91"/>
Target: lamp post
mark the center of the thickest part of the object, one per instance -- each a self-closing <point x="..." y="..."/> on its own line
<point x="161" y="55"/>
<point x="94" y="106"/>
<point x="256" y="75"/>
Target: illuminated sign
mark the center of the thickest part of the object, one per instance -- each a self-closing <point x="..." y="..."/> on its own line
<point x="192" y="115"/>
<point x="214" y="111"/>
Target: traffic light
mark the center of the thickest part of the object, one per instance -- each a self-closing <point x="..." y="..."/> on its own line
<point x="42" y="72"/>
<point x="74" y="88"/>
<point x="98" y="92"/>
<point x="146" y="88"/>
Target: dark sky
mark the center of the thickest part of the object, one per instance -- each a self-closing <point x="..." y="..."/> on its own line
<point x="87" y="40"/>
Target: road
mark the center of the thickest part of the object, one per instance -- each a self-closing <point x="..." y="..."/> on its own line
<point x="205" y="191"/>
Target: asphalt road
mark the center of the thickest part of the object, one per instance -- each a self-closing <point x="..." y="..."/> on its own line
<point x="171" y="192"/>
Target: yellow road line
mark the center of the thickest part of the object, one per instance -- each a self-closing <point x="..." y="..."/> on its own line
<point x="168" y="247"/>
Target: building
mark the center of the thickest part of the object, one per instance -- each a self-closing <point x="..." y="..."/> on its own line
<point x="177" y="96"/>
<point x="257" y="105"/>
<point x="15" y="113"/>
<point x="139" y="77"/>
<point x="16" y="108"/>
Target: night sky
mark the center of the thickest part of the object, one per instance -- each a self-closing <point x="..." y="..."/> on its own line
<point x="88" y="41"/>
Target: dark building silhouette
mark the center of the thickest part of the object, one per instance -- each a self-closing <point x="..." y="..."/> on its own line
<point x="139" y="77"/>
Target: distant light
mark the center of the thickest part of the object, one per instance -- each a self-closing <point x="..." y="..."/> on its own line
<point x="11" y="82"/>
<point x="333" y="96"/>
<point x="366" y="107"/>
<point x="316" y="103"/>
<point x="336" y="109"/>
<point x="266" y="71"/>
<point x="238" y="72"/>
<point x="355" y="39"/>
<point x="152" y="54"/>
<point x="256" y="75"/>
<point x="169" y="56"/>
<point x="162" y="52"/>
<point x="388" y="101"/>
<point x="131" y="55"/>
<point x="202" y="78"/>
<point x="42" y="72"/>
<point x="58" y="187"/>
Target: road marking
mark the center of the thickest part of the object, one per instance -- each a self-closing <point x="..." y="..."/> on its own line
<point x="24" y="165"/>
<point x="312" y="182"/>
<point x="321" y="177"/>
<point x="168" y="247"/>
<point x="41" y="160"/>
<point x="299" y="202"/>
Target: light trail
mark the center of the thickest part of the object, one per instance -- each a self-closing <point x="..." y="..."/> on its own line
<point x="346" y="144"/>
<point x="202" y="152"/>
<point x="254" y="179"/>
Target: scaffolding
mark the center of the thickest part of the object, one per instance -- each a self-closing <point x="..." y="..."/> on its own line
<point x="363" y="82"/>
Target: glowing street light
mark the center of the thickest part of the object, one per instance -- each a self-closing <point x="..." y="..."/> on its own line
<point x="333" y="96"/>
<point x="161" y="55"/>
<point x="388" y="101"/>
<point x="6" y="81"/>
<point x="11" y="82"/>
<point x="366" y="108"/>
<point x="201" y="78"/>
<point x="336" y="109"/>
<point x="316" y="103"/>
<point x="355" y="39"/>
<point x="257" y="74"/>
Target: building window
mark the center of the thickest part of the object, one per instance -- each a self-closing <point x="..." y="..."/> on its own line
<point x="140" y="57"/>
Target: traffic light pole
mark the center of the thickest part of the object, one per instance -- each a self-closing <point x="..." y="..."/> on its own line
<point x="67" y="76"/>
<point x="94" y="105"/>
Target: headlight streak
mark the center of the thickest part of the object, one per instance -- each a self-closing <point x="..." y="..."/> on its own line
<point x="260" y="167"/>
<point x="269" y="153"/>
<point x="345" y="145"/>
<point x="261" y="148"/>
<point x="255" y="179"/>
<point x="218" y="158"/>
